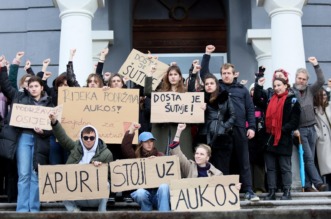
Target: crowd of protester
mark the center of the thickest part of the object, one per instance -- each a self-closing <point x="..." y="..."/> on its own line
<point x="251" y="132"/>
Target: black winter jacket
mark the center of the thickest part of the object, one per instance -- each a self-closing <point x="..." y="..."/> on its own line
<point x="9" y="135"/>
<point x="240" y="98"/>
<point x="219" y="115"/>
<point x="291" y="118"/>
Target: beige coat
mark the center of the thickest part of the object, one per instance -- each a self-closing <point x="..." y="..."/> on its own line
<point x="189" y="168"/>
<point x="323" y="144"/>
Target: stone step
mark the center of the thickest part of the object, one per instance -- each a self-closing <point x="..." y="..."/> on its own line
<point x="314" y="200"/>
<point x="304" y="213"/>
<point x="297" y="195"/>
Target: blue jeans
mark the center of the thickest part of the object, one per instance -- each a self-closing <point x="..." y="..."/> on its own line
<point x="57" y="155"/>
<point x="308" y="140"/>
<point x="28" y="190"/>
<point x="75" y="205"/>
<point x="148" y="198"/>
<point x="72" y="206"/>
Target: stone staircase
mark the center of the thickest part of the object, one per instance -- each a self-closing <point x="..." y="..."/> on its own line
<point x="302" y="206"/>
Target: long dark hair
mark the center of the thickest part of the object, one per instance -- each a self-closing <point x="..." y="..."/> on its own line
<point x="60" y="80"/>
<point x="318" y="99"/>
<point x="96" y="77"/>
<point x="214" y="95"/>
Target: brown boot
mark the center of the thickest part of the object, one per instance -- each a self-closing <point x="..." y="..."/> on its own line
<point x="323" y="187"/>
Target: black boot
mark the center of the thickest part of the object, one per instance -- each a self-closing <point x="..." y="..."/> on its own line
<point x="286" y="195"/>
<point x="271" y="195"/>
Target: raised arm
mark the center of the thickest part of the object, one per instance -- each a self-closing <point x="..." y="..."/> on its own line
<point x="28" y="68"/>
<point x="6" y="87"/>
<point x="193" y="76"/>
<point x="46" y="63"/>
<point x="126" y="146"/>
<point x="149" y="81"/>
<point x="64" y="140"/>
<point x="260" y="98"/>
<point x="47" y="89"/>
<point x="71" y="77"/>
<point x="175" y="150"/>
<point x="319" y="75"/>
<point x="13" y="70"/>
<point x="101" y="61"/>
<point x="205" y="61"/>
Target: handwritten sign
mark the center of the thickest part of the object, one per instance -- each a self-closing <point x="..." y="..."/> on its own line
<point x="31" y="116"/>
<point x="136" y="66"/>
<point x="110" y="112"/>
<point x="73" y="182"/>
<point x="131" y="174"/>
<point x="217" y="193"/>
<point x="177" y="107"/>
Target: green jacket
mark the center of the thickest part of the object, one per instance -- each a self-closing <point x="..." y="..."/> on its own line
<point x="102" y="153"/>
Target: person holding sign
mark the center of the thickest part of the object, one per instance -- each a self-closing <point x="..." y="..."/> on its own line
<point x="171" y="82"/>
<point x="158" y="198"/>
<point x="200" y="167"/>
<point x="88" y="149"/>
<point x="219" y="119"/>
<point x="31" y="146"/>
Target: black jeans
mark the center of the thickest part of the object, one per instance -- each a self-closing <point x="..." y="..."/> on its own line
<point x="240" y="146"/>
<point x="220" y="152"/>
<point x="285" y="166"/>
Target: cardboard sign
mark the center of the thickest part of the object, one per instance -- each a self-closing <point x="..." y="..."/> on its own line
<point x="217" y="193"/>
<point x="177" y="107"/>
<point x="72" y="182"/>
<point x="31" y="116"/>
<point x="139" y="173"/>
<point x="136" y="66"/>
<point x="110" y="112"/>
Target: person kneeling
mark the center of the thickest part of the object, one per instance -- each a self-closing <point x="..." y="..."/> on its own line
<point x="158" y="198"/>
<point x="88" y="149"/>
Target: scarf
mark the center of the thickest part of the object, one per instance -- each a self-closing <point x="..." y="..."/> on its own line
<point x="274" y="117"/>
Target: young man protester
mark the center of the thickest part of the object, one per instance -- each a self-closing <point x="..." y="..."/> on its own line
<point x="244" y="111"/>
<point x="88" y="149"/>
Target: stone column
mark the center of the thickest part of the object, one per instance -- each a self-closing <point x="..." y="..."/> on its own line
<point x="76" y="32"/>
<point x="287" y="39"/>
<point x="261" y="43"/>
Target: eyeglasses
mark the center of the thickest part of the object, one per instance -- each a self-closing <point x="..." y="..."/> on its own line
<point x="86" y="138"/>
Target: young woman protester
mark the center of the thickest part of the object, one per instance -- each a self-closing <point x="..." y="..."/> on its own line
<point x="323" y="130"/>
<point x="158" y="198"/>
<point x="31" y="146"/>
<point x="200" y="166"/>
<point x="282" y="118"/>
<point x="164" y="132"/>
